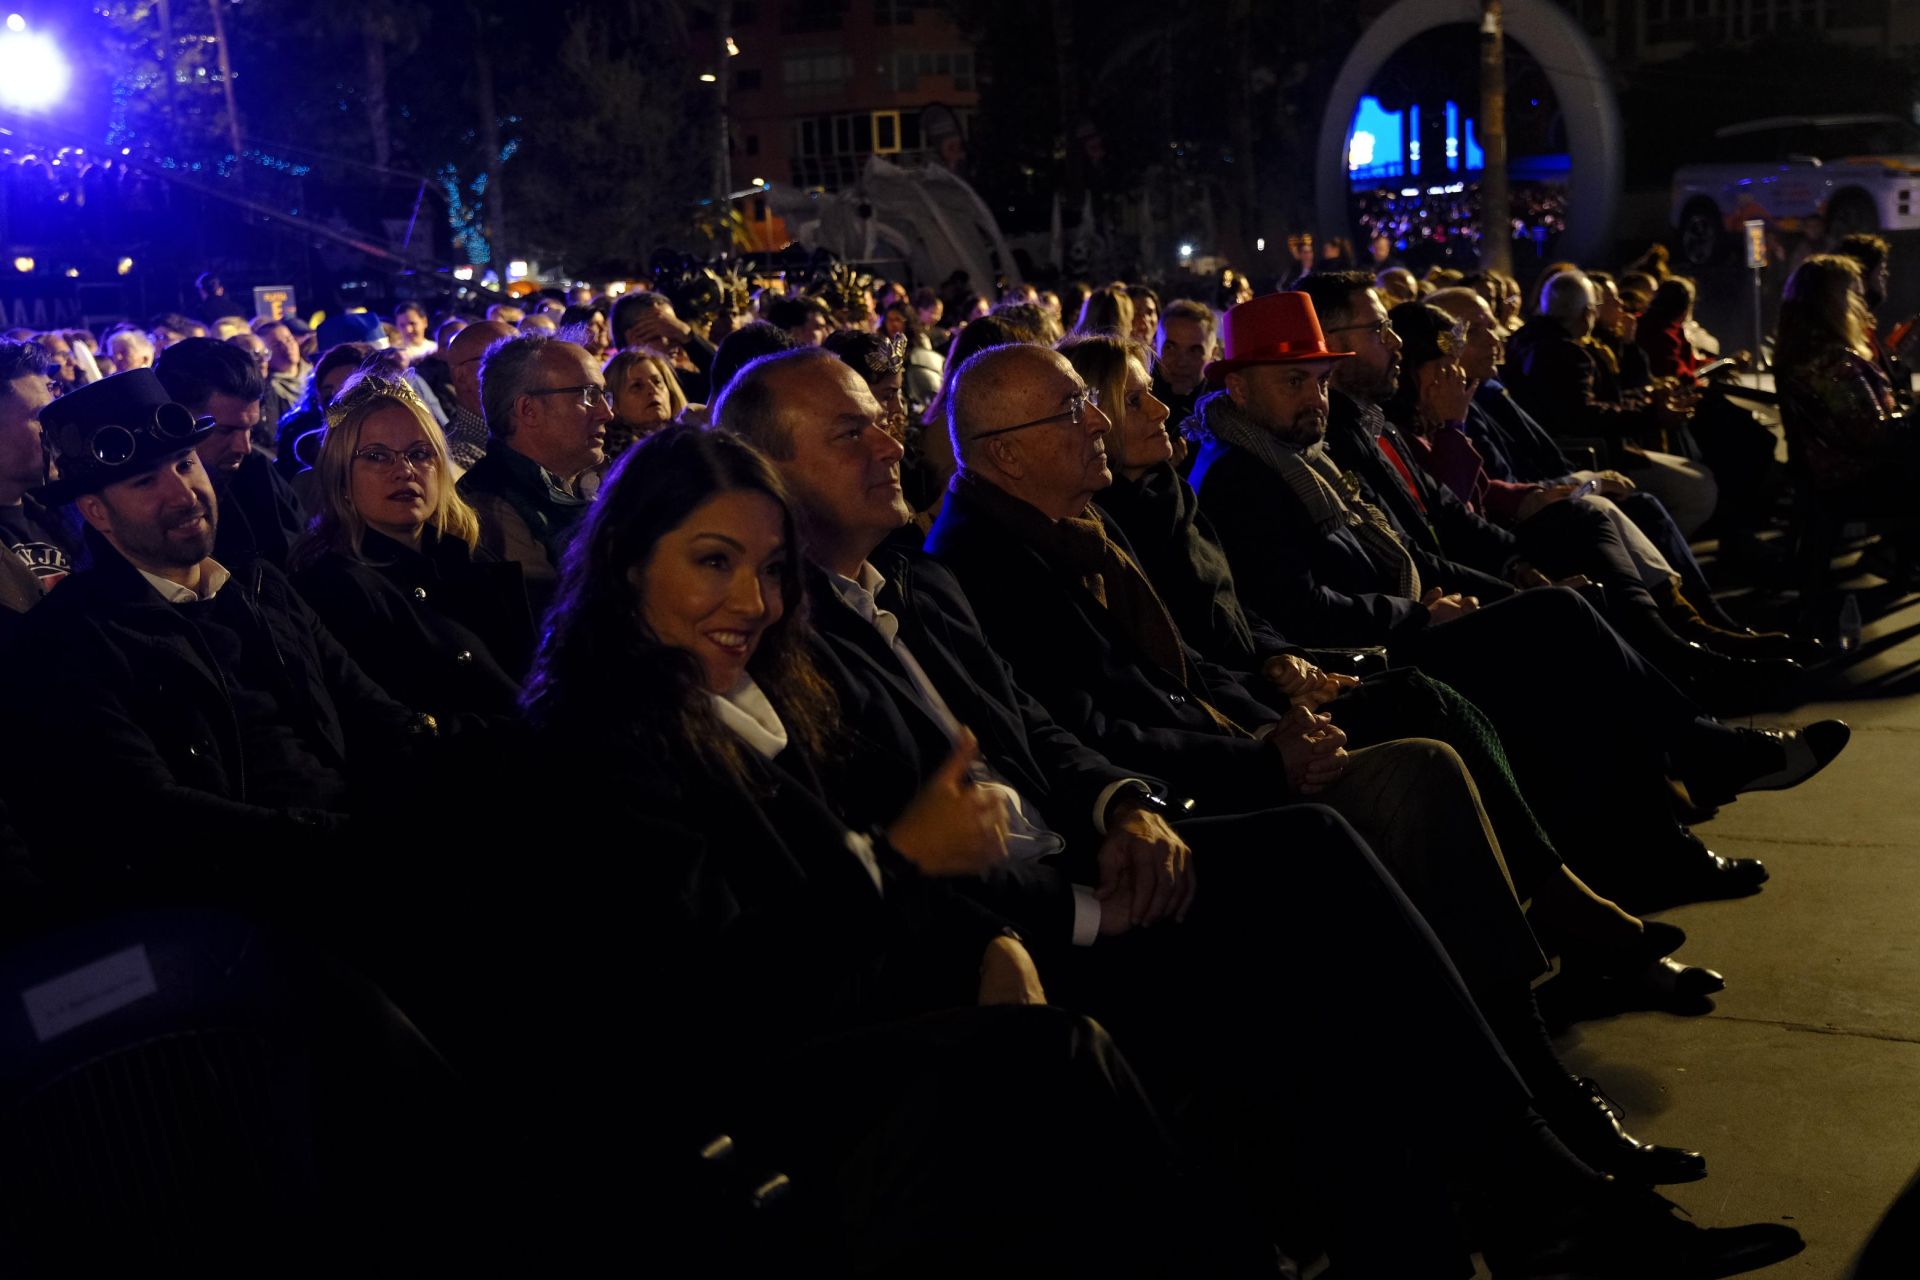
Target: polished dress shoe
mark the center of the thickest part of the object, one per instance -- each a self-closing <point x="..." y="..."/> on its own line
<point x="1679" y="868"/>
<point x="1803" y="753"/>
<point x="1589" y="1122"/>
<point x="1624" y="1231"/>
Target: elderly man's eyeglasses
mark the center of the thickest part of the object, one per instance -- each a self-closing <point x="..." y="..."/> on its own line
<point x="1075" y="412"/>
<point x="590" y="397"/>
<point x="418" y="457"/>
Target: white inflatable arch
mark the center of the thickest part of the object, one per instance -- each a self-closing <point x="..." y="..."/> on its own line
<point x="1581" y="84"/>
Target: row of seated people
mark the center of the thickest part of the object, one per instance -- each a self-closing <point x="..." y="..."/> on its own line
<point x="837" y="807"/>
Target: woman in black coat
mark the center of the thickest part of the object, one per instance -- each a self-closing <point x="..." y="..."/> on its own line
<point x="814" y="989"/>
<point x="392" y="566"/>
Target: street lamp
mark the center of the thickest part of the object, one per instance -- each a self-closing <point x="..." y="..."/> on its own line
<point x="33" y="72"/>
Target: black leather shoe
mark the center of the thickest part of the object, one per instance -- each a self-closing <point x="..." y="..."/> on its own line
<point x="1682" y="869"/>
<point x="1664" y="986"/>
<point x="1626" y="1231"/>
<point x="1803" y="752"/>
<point x="1588" y="1121"/>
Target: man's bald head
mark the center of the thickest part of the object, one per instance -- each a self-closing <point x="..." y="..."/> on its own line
<point x="1023" y="420"/>
<point x="463" y="355"/>
<point x="996" y="387"/>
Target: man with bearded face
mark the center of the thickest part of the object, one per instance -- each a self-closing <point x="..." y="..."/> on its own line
<point x="211" y="725"/>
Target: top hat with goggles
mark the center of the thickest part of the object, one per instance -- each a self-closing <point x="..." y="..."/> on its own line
<point x="114" y="429"/>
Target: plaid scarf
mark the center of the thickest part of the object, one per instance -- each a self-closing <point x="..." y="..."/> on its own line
<point x="1331" y="496"/>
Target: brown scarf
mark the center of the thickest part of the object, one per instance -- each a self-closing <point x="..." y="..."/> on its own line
<point x="1112" y="577"/>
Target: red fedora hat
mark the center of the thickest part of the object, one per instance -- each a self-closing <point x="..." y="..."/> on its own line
<point x="1275" y="328"/>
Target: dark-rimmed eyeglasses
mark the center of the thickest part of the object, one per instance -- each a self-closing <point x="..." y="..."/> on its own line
<point x="591" y="397"/>
<point x="1379" y="329"/>
<point x="1075" y="412"/>
<point x="114" y="445"/>
<point x="418" y="457"/>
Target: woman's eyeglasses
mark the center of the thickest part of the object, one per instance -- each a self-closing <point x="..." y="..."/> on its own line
<point x="418" y="457"/>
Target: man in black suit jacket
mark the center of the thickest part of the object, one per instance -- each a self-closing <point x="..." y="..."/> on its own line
<point x="910" y="660"/>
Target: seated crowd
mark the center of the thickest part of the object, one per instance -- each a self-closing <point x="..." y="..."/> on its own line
<point x="871" y="706"/>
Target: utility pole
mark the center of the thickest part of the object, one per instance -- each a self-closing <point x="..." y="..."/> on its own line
<point x="1496" y="209"/>
<point x="723" y="171"/>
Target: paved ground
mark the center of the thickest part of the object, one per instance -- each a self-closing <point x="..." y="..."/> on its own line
<point x="1802" y="1086"/>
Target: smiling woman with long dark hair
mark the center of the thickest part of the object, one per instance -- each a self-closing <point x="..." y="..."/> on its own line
<point x="804" y="984"/>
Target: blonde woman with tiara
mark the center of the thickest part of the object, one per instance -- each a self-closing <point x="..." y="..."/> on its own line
<point x="392" y="562"/>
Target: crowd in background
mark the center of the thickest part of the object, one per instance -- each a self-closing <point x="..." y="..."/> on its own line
<point x="801" y="692"/>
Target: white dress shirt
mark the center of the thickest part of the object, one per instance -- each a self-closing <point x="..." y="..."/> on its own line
<point x="213" y="577"/>
<point x="1028" y="835"/>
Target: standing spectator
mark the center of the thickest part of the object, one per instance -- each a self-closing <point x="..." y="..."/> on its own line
<point x="410" y="318"/>
<point x="547" y="408"/>
<point x="43" y="547"/>
<point x="214" y="302"/>
<point x="60" y="364"/>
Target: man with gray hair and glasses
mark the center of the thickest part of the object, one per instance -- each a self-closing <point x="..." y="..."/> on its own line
<point x="547" y="410"/>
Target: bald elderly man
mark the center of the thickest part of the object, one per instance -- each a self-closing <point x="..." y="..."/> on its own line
<point x="467" y="423"/>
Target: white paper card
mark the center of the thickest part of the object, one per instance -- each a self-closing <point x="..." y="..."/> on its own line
<point x="74" y="999"/>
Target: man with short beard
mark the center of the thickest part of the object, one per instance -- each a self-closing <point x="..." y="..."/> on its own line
<point x="206" y="718"/>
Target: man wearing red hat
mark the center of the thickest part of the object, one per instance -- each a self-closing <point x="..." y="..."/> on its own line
<point x="1313" y="557"/>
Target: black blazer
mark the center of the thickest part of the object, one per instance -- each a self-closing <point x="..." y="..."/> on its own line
<point x="1068" y="652"/>
<point x="126" y="744"/>
<point x="1454" y="548"/>
<point x="443" y="630"/>
<point x="894" y="746"/>
<point x="1320" y="588"/>
<point x="769" y="927"/>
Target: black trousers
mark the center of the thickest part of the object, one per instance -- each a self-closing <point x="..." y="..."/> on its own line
<point x="1590" y="726"/>
<point x="1282" y="1016"/>
<point x="972" y="1141"/>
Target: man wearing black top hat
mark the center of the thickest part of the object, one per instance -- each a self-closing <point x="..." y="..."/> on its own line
<point x="202" y="719"/>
